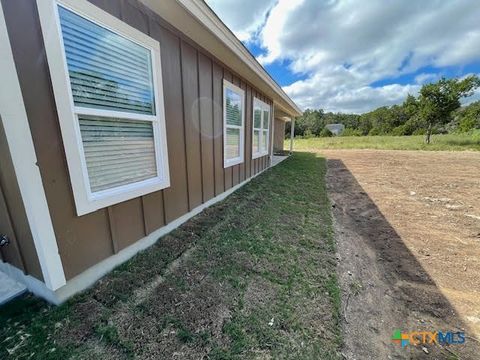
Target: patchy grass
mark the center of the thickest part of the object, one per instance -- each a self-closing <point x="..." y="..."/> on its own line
<point x="251" y="277"/>
<point x="450" y="142"/>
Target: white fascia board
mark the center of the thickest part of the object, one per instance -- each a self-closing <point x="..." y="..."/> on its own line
<point x="20" y="143"/>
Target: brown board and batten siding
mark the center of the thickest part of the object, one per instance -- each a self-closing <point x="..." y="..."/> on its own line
<point x="193" y="94"/>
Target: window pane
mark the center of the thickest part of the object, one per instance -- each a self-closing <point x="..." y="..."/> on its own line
<point x="107" y="71"/>
<point x="257" y="120"/>
<point x="256" y="141"/>
<point x="266" y="118"/>
<point x="234" y="107"/>
<point x="117" y="151"/>
<point x="264" y="140"/>
<point x="232" y="149"/>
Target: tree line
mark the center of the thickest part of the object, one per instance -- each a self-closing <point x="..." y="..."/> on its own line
<point x="437" y="109"/>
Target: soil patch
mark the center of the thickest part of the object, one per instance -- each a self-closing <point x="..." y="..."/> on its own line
<point x="409" y="252"/>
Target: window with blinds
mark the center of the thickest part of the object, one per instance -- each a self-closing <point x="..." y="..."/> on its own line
<point x="233" y="122"/>
<point x="116" y="131"/>
<point x="261" y="124"/>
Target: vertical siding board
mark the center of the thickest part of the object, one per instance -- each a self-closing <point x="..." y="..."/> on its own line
<point x="113" y="231"/>
<point x="217" y="87"/>
<point x="111" y="7"/>
<point x="127" y="222"/>
<point x="133" y="16"/>
<point x="176" y="196"/>
<point x="206" y="125"/>
<point x="235" y="174"/>
<point x="192" y="123"/>
<point x="153" y="211"/>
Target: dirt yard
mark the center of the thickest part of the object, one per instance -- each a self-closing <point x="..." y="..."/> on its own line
<point x="408" y="231"/>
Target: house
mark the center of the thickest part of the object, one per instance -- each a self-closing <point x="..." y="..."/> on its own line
<point x="335" y="129"/>
<point x="120" y="120"/>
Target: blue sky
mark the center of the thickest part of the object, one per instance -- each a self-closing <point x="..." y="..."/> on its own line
<point x="342" y="57"/>
<point x="280" y="69"/>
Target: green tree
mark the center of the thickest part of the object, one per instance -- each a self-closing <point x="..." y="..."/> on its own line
<point x="438" y="100"/>
<point x="468" y="117"/>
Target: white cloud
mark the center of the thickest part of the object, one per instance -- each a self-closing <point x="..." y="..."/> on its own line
<point x="424" y="78"/>
<point x="345" y="46"/>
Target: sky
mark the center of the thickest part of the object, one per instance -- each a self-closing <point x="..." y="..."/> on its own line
<point x="354" y="56"/>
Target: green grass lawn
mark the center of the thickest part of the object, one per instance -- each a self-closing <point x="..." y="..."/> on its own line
<point x="450" y="142"/>
<point x="251" y="277"/>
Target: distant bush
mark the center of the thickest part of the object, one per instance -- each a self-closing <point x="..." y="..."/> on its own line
<point x="326" y="133"/>
<point x="400" y="130"/>
<point x="475" y="135"/>
<point x="308" y="134"/>
<point x="351" y="132"/>
<point x="419" y="132"/>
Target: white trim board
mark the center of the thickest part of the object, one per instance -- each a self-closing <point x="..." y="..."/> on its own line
<point x="88" y="278"/>
<point x="19" y="138"/>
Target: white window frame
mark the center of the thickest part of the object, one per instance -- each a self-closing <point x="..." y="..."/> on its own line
<point x="238" y="160"/>
<point x="85" y="200"/>
<point x="263" y="106"/>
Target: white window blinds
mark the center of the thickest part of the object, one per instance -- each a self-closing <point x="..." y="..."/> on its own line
<point x="117" y="151"/>
<point x="261" y="124"/>
<point x="233" y="124"/>
<point x="107" y="71"/>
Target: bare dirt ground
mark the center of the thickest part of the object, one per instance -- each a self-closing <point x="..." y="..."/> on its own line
<point x="408" y="231"/>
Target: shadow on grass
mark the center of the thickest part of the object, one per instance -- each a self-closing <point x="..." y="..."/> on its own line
<point x="417" y="302"/>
